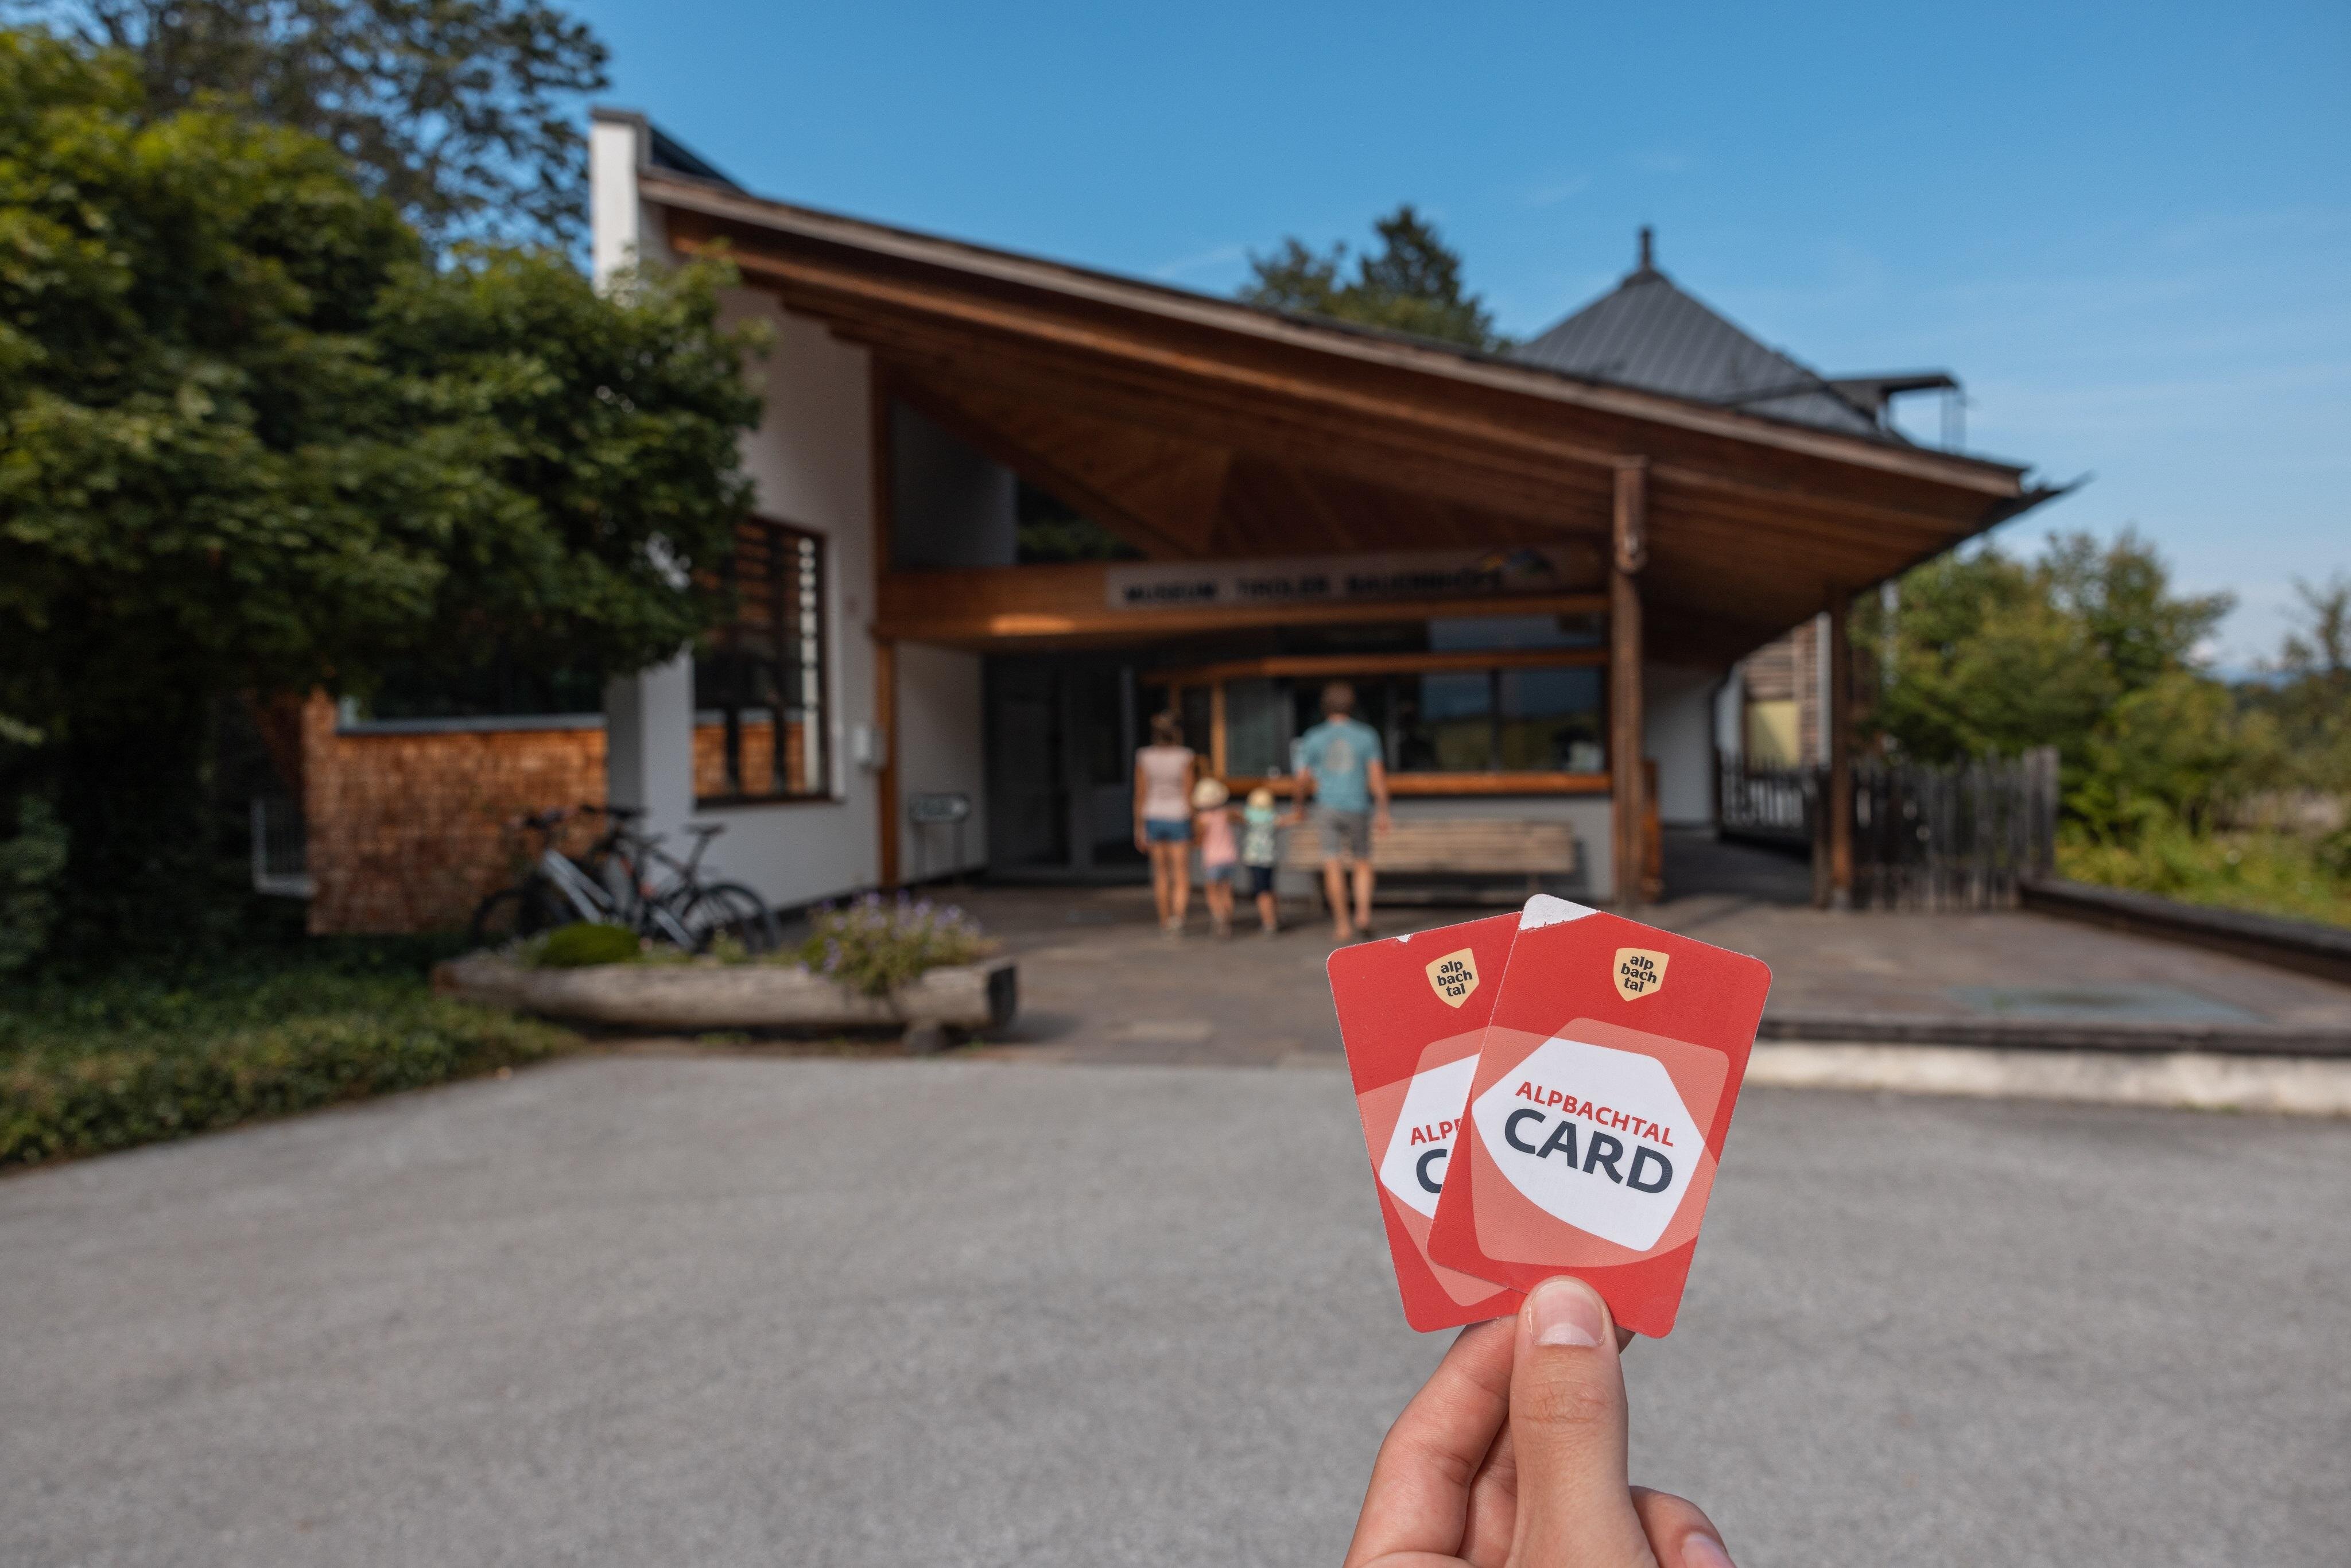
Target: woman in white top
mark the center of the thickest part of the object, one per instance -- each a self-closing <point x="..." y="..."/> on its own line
<point x="1164" y="774"/>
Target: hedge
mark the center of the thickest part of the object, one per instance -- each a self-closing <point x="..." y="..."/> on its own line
<point x="125" y="1063"/>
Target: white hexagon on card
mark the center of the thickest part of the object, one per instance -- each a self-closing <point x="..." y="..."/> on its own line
<point x="1619" y="1166"/>
<point x="1422" y="1145"/>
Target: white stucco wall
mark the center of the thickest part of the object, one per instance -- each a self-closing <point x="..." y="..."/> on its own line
<point x="942" y="750"/>
<point x="808" y="463"/>
<point x="1730" y="712"/>
<point x="1677" y="730"/>
<point x="620" y="226"/>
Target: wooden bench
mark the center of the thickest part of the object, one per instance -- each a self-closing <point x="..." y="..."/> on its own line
<point x="1449" y="860"/>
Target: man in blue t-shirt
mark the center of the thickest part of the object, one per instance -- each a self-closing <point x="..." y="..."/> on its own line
<point x="1339" y="767"/>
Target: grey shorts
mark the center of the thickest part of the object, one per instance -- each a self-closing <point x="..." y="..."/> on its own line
<point x="1347" y="835"/>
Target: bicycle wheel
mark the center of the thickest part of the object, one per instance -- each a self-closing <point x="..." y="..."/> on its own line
<point x="731" y="910"/>
<point x="525" y="909"/>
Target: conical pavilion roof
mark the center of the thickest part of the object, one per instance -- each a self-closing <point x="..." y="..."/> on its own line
<point x="1647" y="332"/>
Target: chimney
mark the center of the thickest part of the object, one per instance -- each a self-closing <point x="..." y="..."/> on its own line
<point x="1648" y="250"/>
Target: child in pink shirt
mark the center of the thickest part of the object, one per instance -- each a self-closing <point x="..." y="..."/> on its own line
<point x="1220" y="853"/>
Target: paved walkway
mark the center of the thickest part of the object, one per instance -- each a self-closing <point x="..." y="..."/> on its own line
<point x="1099" y="983"/>
<point x="725" y="1310"/>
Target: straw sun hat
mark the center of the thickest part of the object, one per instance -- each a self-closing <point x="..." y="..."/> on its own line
<point x="1208" y="794"/>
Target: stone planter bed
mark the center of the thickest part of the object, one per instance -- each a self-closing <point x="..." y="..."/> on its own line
<point x="943" y="1004"/>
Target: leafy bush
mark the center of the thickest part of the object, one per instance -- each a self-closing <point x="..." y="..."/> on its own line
<point x="30" y="861"/>
<point x="2263" y="873"/>
<point x="584" y="944"/>
<point x="872" y="946"/>
<point x="137" y="1059"/>
<point x="2333" y="853"/>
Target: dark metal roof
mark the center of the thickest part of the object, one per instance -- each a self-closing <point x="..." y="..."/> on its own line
<point x="667" y="151"/>
<point x="1648" y="333"/>
<point x="658" y="150"/>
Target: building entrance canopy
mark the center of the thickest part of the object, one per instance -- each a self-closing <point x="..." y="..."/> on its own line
<point x="1272" y="474"/>
<point x="1199" y="429"/>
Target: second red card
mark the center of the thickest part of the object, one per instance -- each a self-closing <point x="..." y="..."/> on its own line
<point x="1412" y="1013"/>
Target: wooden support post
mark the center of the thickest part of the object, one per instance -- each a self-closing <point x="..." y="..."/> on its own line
<point x="1839" y="720"/>
<point x="1216" y="763"/>
<point x="1627" y="778"/>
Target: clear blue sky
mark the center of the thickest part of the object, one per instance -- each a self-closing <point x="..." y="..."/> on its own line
<point x="2127" y="228"/>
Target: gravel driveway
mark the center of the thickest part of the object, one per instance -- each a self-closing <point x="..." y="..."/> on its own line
<point x="639" y="1309"/>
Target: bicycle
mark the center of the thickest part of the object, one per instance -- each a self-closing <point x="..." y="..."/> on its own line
<point x="559" y="888"/>
<point x="606" y="885"/>
<point x="707" y="911"/>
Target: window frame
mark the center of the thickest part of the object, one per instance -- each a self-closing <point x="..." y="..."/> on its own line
<point x="784" y="541"/>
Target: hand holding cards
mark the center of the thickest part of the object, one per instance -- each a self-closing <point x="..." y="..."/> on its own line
<point x="1545" y="1094"/>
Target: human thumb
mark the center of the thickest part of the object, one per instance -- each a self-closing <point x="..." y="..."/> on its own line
<point x="1567" y="1426"/>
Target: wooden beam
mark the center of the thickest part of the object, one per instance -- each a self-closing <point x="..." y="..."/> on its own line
<point x="1157" y="491"/>
<point x="1040" y="604"/>
<point x="1625" y="709"/>
<point x="1535" y="486"/>
<point x="1442" y="784"/>
<point x="1530" y="473"/>
<point x="1839" y="719"/>
<point x="1311" y="665"/>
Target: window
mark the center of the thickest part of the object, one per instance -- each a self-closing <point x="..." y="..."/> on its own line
<point x="1535" y="714"/>
<point x="760" y="729"/>
<point x="1533" y="720"/>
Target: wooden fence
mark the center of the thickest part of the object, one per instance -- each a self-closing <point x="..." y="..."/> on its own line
<point x="1768" y="805"/>
<point x="1924" y="838"/>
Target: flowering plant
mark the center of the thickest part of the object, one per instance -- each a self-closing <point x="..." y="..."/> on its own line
<point x="875" y="944"/>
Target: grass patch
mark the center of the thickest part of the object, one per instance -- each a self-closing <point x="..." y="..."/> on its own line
<point x="91" y="1065"/>
<point x="2262" y="873"/>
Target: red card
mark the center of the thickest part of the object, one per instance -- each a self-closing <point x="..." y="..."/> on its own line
<point x="1598" y="1109"/>
<point x="1413" y="1011"/>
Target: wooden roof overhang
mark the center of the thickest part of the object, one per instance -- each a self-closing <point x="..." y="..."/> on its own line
<point x="1204" y="428"/>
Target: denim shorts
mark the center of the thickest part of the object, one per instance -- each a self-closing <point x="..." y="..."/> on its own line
<point x="1220" y="872"/>
<point x="1167" y="829"/>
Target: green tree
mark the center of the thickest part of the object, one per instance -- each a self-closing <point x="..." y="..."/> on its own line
<point x="464" y="112"/>
<point x="2178" y="750"/>
<point x="2308" y="693"/>
<point x="1980" y="658"/>
<point x="2121" y="594"/>
<point x="1411" y="284"/>
<point x="251" y="440"/>
<point x="2087" y="649"/>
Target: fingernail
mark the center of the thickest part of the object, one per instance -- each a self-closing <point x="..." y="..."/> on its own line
<point x="1703" y="1552"/>
<point x="1567" y="1312"/>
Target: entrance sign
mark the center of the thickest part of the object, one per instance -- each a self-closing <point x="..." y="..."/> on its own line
<point x="1322" y="580"/>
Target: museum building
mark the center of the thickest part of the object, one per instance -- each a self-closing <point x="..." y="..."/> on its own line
<point x="1008" y="509"/>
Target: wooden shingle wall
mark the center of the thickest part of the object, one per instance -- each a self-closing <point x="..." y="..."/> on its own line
<point x="407" y="832"/>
